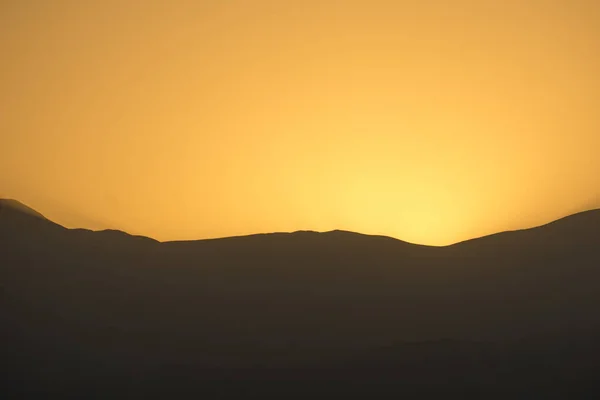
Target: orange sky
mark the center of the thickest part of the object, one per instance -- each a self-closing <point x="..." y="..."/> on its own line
<point x="430" y="121"/>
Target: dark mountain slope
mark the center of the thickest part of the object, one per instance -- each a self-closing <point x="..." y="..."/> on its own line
<point x="13" y="206"/>
<point x="86" y="311"/>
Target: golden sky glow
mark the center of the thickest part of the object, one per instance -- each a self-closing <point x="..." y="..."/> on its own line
<point x="430" y="121"/>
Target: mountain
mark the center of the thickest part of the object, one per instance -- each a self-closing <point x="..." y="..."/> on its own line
<point x="290" y="314"/>
<point x="10" y="205"/>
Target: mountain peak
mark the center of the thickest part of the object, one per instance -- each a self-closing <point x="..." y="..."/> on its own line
<point x="16" y="206"/>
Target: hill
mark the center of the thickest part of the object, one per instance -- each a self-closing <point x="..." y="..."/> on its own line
<point x="104" y="312"/>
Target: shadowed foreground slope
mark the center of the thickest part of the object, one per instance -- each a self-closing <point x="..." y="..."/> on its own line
<point x="303" y="314"/>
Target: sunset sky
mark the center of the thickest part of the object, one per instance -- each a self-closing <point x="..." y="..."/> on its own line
<point x="429" y="121"/>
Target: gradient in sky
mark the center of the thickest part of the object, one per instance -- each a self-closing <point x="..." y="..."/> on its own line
<point x="430" y="121"/>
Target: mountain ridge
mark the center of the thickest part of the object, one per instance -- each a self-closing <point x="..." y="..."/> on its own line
<point x="20" y="207"/>
<point x="15" y="205"/>
<point x="95" y="312"/>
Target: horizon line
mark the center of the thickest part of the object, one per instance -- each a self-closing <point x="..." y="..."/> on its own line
<point x="37" y="214"/>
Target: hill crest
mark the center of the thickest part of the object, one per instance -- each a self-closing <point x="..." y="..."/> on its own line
<point x="573" y="219"/>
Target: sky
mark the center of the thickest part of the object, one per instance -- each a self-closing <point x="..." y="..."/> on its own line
<point x="431" y="121"/>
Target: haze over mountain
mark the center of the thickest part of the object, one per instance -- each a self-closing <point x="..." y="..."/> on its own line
<point x="105" y="312"/>
<point x="437" y="129"/>
<point x="431" y="121"/>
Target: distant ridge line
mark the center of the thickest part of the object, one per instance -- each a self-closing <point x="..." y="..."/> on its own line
<point x="24" y="209"/>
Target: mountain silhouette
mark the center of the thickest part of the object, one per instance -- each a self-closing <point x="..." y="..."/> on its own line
<point x="298" y="314"/>
<point x="10" y="205"/>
